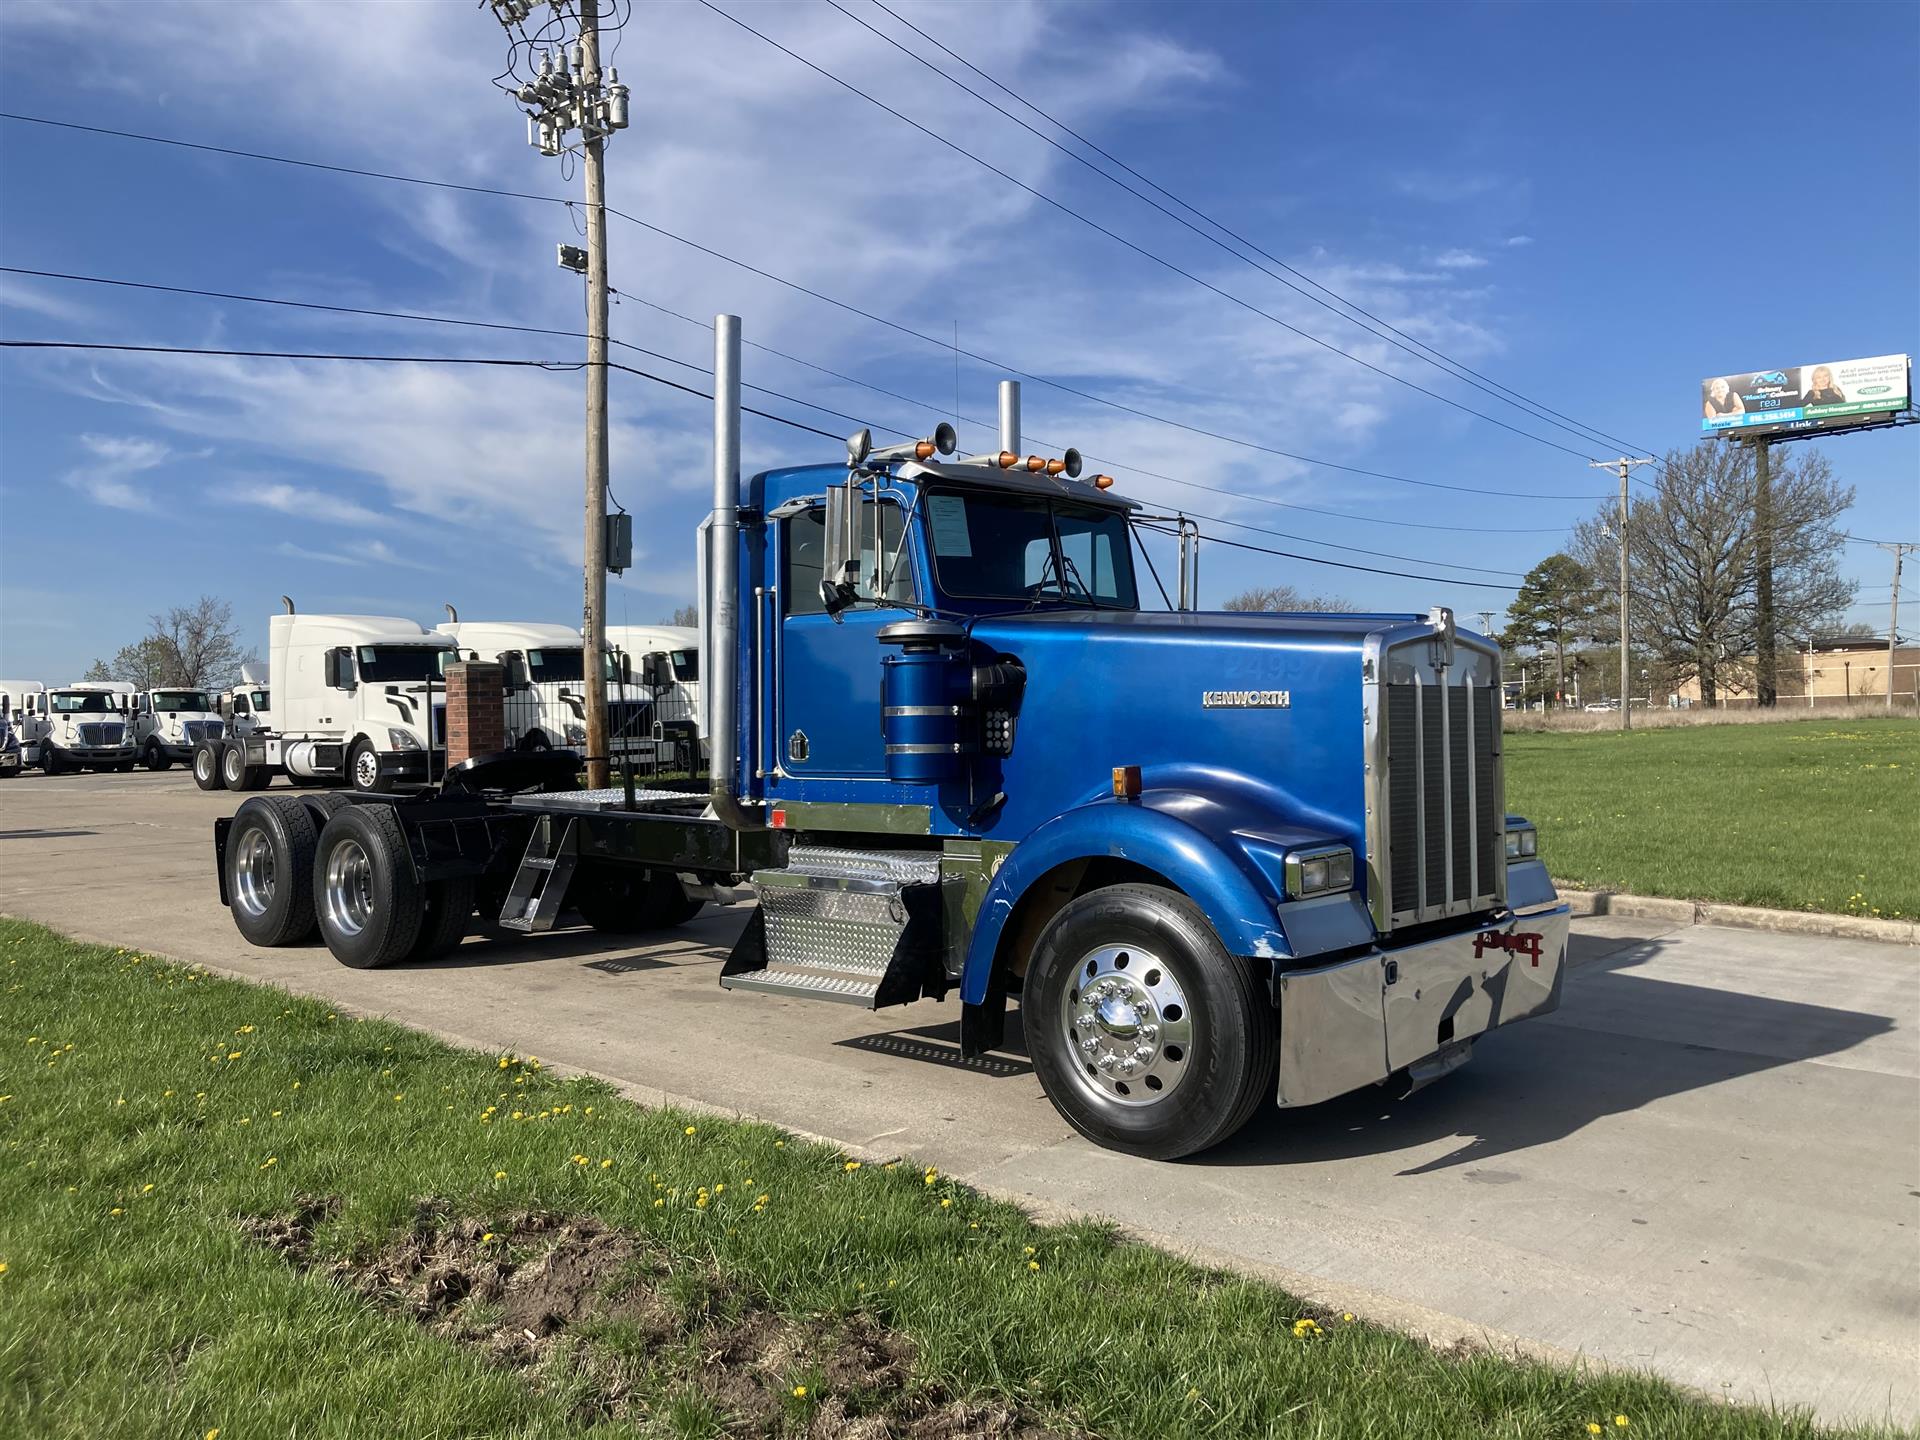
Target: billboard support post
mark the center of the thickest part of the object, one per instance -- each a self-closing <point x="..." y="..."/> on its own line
<point x="1767" y="682"/>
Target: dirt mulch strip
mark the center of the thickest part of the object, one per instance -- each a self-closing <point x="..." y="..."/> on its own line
<point x="538" y="1292"/>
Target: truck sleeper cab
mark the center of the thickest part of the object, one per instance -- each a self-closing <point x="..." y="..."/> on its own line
<point x="545" y="685"/>
<point x="358" y="700"/>
<point x="1219" y="860"/>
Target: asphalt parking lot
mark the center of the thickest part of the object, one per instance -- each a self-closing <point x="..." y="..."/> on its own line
<point x="1707" y="1163"/>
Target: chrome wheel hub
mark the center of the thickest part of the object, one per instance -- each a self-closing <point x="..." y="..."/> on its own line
<point x="366" y="770"/>
<point x="253" y="873"/>
<point x="348" y="892"/>
<point x="1127" y="1026"/>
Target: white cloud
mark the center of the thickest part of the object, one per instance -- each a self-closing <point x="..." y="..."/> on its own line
<point x="1519" y="240"/>
<point x="1459" y="260"/>
<point x="110" y="478"/>
<point x="1442" y="187"/>
<point x="298" y="501"/>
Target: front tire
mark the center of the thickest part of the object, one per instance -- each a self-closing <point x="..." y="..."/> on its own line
<point x="270" y="852"/>
<point x="365" y="772"/>
<point x="50" y="762"/>
<point x="207" y="770"/>
<point x="625" y="900"/>
<point x="156" y="758"/>
<point x="369" y="903"/>
<point x="1148" y="1037"/>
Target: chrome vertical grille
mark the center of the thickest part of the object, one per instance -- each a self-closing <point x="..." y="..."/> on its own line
<point x="1440" y="774"/>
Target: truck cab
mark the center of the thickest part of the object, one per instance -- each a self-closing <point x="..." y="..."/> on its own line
<point x="169" y="721"/>
<point x="83" y="726"/>
<point x="247" y="707"/>
<point x="663" y="662"/>
<point x="16" y="699"/>
<point x="545" y="686"/>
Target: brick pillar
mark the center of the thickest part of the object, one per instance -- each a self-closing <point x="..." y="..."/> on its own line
<point x="476" y="710"/>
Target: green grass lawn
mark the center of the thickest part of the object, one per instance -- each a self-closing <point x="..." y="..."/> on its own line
<point x="225" y="1209"/>
<point x="1813" y="815"/>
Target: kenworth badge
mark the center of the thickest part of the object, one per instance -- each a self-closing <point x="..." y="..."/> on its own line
<point x="1246" y="700"/>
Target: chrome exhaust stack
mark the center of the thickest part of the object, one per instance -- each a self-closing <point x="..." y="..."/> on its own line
<point x="722" y="600"/>
<point x="1010" y="416"/>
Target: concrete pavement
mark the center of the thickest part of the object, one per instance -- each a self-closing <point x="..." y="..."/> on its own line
<point x="1707" y="1163"/>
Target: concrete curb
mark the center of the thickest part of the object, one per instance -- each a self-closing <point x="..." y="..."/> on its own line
<point x="1741" y="917"/>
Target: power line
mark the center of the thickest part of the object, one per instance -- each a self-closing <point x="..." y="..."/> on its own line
<point x="1394" y="336"/>
<point x="1138" y="249"/>
<point x="943" y="345"/>
<point x="1336" y="564"/>
<point x="419" y="316"/>
<point x="574" y="365"/>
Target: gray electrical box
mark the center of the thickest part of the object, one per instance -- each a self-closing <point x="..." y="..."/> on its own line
<point x="619" y="542"/>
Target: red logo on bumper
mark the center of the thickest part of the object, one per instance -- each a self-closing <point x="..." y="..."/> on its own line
<point x="1525" y="943"/>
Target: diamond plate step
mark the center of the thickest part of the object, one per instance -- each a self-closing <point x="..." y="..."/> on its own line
<point x="807" y="985"/>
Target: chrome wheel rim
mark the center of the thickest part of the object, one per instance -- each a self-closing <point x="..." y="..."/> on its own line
<point x="1127" y="1025"/>
<point x="366" y="769"/>
<point x="253" y="873"/>
<point x="203" y="765"/>
<point x="348" y="892"/>
<point x="233" y="769"/>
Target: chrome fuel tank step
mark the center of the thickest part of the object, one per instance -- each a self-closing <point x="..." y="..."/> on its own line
<point x="860" y="927"/>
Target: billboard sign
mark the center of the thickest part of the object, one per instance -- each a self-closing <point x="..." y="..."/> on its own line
<point x="1831" y="395"/>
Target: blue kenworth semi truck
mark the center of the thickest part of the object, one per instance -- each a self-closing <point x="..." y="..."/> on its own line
<point x="1219" y="860"/>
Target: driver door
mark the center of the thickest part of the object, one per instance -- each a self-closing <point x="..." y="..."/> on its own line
<point x="826" y="717"/>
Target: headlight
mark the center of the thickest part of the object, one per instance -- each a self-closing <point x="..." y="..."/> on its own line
<point x="1322" y="871"/>
<point x="399" y="739"/>
<point x="1523" y="842"/>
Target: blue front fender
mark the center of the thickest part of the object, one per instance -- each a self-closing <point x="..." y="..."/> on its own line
<point x="1230" y="869"/>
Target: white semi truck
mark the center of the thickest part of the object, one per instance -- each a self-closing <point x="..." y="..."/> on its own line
<point x="664" y="663"/>
<point x="15" y="698"/>
<point x="546" y="701"/>
<point x="357" y="699"/>
<point x="169" y="721"/>
<point x="82" y="726"/>
<point x="248" y="706"/>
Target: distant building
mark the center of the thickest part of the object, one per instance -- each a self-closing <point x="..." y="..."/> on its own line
<point x="1832" y="670"/>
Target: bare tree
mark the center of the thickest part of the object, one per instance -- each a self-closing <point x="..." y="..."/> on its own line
<point x="1694" y="566"/>
<point x="1276" y="598"/>
<point x="202" y="643"/>
<point x="686" y="615"/>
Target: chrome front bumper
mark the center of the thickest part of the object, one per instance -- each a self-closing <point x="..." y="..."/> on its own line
<point x="1358" y="1022"/>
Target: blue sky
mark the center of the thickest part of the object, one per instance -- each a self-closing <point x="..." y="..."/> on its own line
<point x="1595" y="205"/>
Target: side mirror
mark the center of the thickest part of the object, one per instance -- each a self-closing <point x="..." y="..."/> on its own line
<point x="516" y="668"/>
<point x="655" y="672"/>
<point x="835" y="598"/>
<point x="841" y="568"/>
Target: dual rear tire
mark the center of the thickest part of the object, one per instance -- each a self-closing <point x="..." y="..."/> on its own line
<point x="297" y="864"/>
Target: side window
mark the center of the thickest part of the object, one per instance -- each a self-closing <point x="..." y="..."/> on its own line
<point x="240" y="705"/>
<point x="886" y="572"/>
<point x="804" y="545"/>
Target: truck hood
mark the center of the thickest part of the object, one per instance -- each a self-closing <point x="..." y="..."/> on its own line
<point x="1264" y="713"/>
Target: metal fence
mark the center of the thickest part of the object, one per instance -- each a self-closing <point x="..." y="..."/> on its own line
<point x="651" y="728"/>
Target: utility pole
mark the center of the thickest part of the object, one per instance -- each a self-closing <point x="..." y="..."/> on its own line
<point x="1899" y="551"/>
<point x="1767" y="679"/>
<point x="570" y="93"/>
<point x="1625" y="466"/>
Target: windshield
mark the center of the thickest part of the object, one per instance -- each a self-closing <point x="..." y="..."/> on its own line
<point x="1032" y="549"/>
<point x="181" y="700"/>
<point x="385" y="664"/>
<point x="549" y="665"/>
<point x="82" y="702"/>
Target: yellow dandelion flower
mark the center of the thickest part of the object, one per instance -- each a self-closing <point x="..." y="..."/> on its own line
<point x="1593" y="1427"/>
<point x="606" y="1164"/>
<point x="1193" y="1394"/>
<point x="658" y="1204"/>
<point x="779" y="1144"/>
<point x="851" y="1165"/>
<point x="588" y="1110"/>
<point x="973" y="1225"/>
<point x="947" y="1204"/>
<point x="1032" y="1251"/>
<point x="116" y="1211"/>
<point x="799" y="1392"/>
<point x="720" y="1188"/>
<point x="691" y="1130"/>
<point x="1622" y="1421"/>
<point x="1348" y="1317"/>
<point x="1033" y="1264"/>
<point x="401" y="1096"/>
<point x="233" y="1055"/>
<point x="700" y="1202"/>
<point x="499" y="1174"/>
<point x="147" y="1189"/>
<point x="244" y="1030"/>
<point x="486" y="1238"/>
<point x="3" y="1267"/>
<point x="214" y="1434"/>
